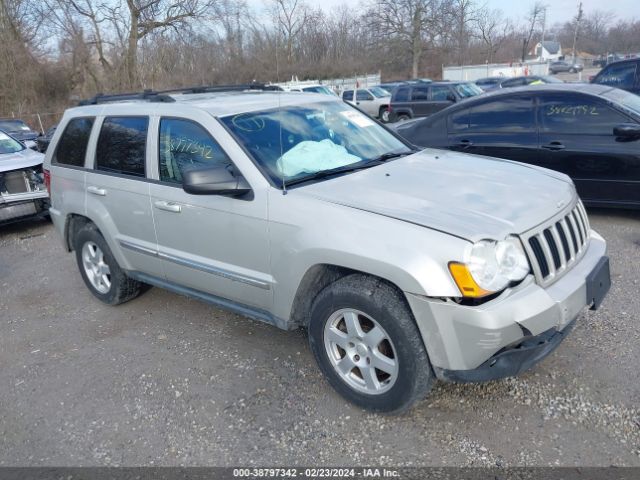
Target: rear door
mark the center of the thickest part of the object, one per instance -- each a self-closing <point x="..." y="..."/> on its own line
<point x="504" y="127"/>
<point x="576" y="137"/>
<point x="118" y="192"/>
<point x="420" y="101"/>
<point x="209" y="243"/>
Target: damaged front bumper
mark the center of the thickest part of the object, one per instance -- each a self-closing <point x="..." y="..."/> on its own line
<point x="22" y="195"/>
<point x="514" y="331"/>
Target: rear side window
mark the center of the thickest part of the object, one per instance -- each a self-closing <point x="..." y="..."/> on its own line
<point x="514" y="114"/>
<point x="401" y="95"/>
<point x="420" y="93"/>
<point x="186" y="145"/>
<point x="122" y="145"/>
<point x="72" y="146"/>
<point x="620" y="76"/>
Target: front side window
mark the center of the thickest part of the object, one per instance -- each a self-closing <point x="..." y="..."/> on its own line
<point x="620" y="76"/>
<point x="466" y="90"/>
<point x="578" y="115"/>
<point x="295" y="142"/>
<point x="363" y="95"/>
<point x="185" y="145"/>
<point x="9" y="145"/>
<point x="440" y="94"/>
<point x="513" y="114"/>
<point x="72" y="146"/>
<point x="122" y="145"/>
<point x="347" y="95"/>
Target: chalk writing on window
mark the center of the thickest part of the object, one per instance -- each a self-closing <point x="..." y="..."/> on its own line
<point x="572" y="110"/>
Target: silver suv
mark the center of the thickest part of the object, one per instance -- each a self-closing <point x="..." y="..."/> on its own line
<point x="301" y="211"/>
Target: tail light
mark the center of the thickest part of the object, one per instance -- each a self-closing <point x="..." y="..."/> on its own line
<point x="47" y="180"/>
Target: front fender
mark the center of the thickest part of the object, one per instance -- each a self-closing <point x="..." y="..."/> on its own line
<point x="305" y="232"/>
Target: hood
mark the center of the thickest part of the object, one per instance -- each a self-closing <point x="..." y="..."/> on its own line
<point x="24" y="159"/>
<point x="468" y="196"/>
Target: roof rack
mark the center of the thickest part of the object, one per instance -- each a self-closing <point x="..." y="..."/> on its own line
<point x="162" y="95"/>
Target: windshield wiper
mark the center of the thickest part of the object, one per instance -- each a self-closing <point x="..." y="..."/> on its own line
<point x="335" y="171"/>
<point x="391" y="155"/>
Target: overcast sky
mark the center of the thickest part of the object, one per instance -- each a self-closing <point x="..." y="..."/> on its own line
<point x="559" y="10"/>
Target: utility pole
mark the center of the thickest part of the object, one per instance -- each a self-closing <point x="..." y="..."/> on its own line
<point x="575" y="34"/>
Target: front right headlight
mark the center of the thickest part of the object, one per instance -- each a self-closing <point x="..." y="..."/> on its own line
<point x="489" y="266"/>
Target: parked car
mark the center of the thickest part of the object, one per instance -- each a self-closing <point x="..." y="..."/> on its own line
<point x="19" y="131"/>
<point x="23" y="193"/>
<point x="418" y="100"/>
<point x="492" y="83"/>
<point x="43" y="141"/>
<point x="323" y="89"/>
<point x="589" y="132"/>
<point x="624" y="74"/>
<point x="404" y="266"/>
<point x="563" y="66"/>
<point x="373" y="100"/>
<point x="605" y="60"/>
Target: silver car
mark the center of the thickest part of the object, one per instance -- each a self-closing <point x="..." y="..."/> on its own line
<point x="23" y="193"/>
<point x="300" y="211"/>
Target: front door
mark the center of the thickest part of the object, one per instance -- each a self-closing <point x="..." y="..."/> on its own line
<point x="576" y="137"/>
<point x="210" y="243"/>
<point x="366" y="103"/>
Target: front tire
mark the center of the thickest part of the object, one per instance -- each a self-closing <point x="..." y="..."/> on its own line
<point x="383" y="115"/>
<point x="101" y="273"/>
<point x="367" y="344"/>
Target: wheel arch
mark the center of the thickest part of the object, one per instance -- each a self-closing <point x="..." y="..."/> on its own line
<point x="316" y="279"/>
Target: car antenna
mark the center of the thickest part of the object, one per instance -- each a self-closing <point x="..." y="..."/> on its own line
<point x="284" y="183"/>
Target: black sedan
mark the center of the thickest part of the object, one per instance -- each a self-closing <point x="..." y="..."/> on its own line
<point x="589" y="132"/>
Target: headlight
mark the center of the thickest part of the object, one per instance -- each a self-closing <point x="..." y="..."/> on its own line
<point x="490" y="266"/>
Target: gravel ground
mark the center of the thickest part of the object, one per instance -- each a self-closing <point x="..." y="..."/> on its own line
<point x="164" y="380"/>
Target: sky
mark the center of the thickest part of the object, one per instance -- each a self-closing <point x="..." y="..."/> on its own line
<point x="559" y="10"/>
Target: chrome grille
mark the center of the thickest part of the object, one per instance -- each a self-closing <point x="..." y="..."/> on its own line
<point x="556" y="245"/>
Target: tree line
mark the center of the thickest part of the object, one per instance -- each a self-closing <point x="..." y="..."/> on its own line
<point x="57" y="51"/>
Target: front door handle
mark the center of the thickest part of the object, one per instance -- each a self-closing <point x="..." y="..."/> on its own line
<point x="555" y="146"/>
<point x="97" y="191"/>
<point x="168" y="206"/>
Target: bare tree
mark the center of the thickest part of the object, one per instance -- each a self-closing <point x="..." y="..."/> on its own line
<point x="290" y="17"/>
<point x="536" y="14"/>
<point x="405" y="20"/>
<point x="493" y="29"/>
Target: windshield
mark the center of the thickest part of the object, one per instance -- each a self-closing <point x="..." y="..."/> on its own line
<point x="319" y="89"/>
<point x="292" y="143"/>
<point x="466" y="90"/>
<point x="13" y="125"/>
<point x="9" y="145"/>
<point x="625" y="99"/>
<point x="379" y="92"/>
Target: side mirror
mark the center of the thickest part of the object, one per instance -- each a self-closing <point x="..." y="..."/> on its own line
<point x="451" y="98"/>
<point x="217" y="180"/>
<point x="627" y="130"/>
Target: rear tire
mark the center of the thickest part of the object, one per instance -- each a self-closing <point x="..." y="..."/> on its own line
<point x="383" y="114"/>
<point x="101" y="273"/>
<point x="366" y="342"/>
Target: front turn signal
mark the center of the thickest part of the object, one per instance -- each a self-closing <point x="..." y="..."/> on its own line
<point x="467" y="285"/>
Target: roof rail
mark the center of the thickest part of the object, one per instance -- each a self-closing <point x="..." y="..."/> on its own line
<point x="162" y="95"/>
<point x="148" y="95"/>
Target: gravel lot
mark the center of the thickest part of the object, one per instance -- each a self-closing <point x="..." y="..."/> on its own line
<point x="164" y="380"/>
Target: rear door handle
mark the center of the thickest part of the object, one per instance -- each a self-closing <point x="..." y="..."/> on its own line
<point x="97" y="191"/>
<point x="554" y="146"/>
<point x="168" y="206"/>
